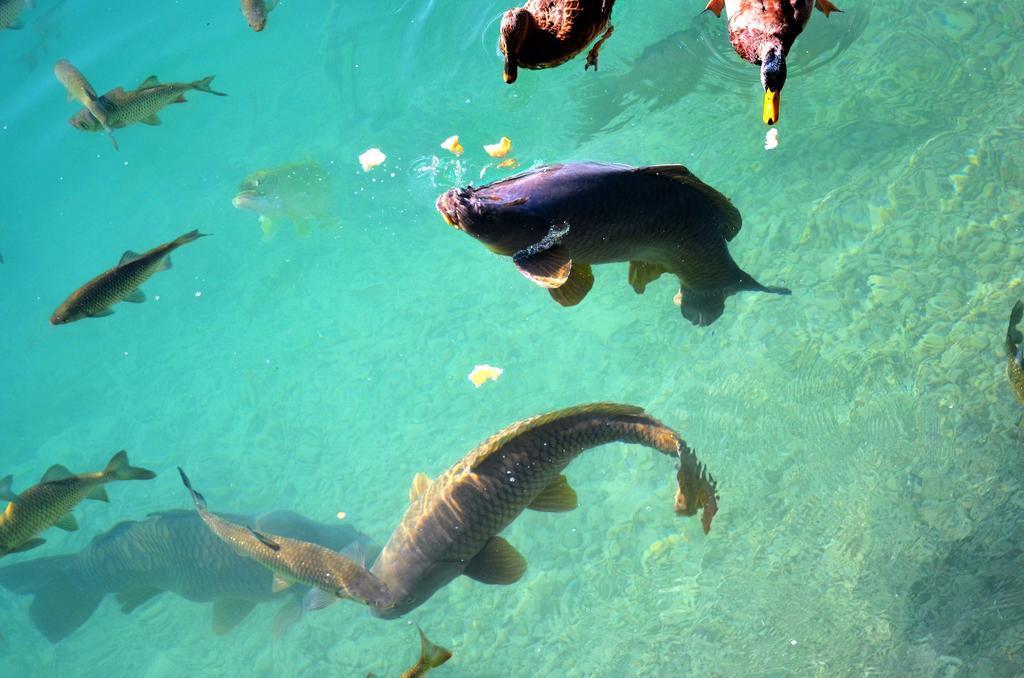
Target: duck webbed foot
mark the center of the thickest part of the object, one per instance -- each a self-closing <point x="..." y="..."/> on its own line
<point x="715" y="6"/>
<point x="592" y="56"/>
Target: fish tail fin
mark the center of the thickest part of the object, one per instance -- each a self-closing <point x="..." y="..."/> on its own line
<point x="60" y="605"/>
<point x="785" y="291"/>
<point x="1013" y="336"/>
<point x="189" y="237"/>
<point x="119" y="468"/>
<point x="204" y="86"/>
<point x="199" y="500"/>
<point x="431" y="654"/>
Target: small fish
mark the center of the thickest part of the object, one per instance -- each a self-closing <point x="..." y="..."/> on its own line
<point x="79" y="89"/>
<point x="556" y="221"/>
<point x="431" y="656"/>
<point x="453" y="523"/>
<point x="139" y="105"/>
<point x="121" y="283"/>
<point x="331" y="575"/>
<point x="10" y="10"/>
<point x="1015" y="351"/>
<point x="298" y="192"/>
<point x="168" y="552"/>
<point x="50" y="502"/>
<point x="256" y="11"/>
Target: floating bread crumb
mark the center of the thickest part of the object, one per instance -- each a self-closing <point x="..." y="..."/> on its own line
<point x="341" y="515"/>
<point x="500" y="149"/>
<point x="482" y="373"/>
<point x="452" y="144"/>
<point x="678" y="299"/>
<point x="771" y="139"/>
<point x="371" y="158"/>
<point x="511" y="163"/>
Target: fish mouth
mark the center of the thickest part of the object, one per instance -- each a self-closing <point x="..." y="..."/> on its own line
<point x="246" y="200"/>
<point x="447" y="204"/>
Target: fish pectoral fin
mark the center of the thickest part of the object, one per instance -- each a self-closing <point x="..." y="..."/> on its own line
<point x="136" y="297"/>
<point x="498" y="562"/>
<point x="268" y="226"/>
<point x="151" y="81"/>
<point x="547" y="264"/>
<point x="99" y="493"/>
<point x="642" y="273"/>
<point x="151" y="120"/>
<point x="557" y="497"/>
<point x="421" y="482"/>
<point x="229" y="613"/>
<point x="28" y="546"/>
<point x="56" y="472"/>
<point x="67" y="523"/>
<point x="265" y="540"/>
<point x="128" y="257"/>
<point x="280" y="583"/>
<point x="6" y="491"/>
<point x="318" y="599"/>
<point x="579" y="283"/>
<point x="286" y="617"/>
<point x="132" y="599"/>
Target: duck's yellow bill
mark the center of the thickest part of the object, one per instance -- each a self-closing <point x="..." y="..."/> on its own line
<point x="772" y="100"/>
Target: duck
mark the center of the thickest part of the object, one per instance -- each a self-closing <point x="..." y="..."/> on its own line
<point x="761" y="32"/>
<point x="547" y="33"/>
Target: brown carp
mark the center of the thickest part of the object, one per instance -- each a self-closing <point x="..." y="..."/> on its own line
<point x="331" y="575"/>
<point x="556" y="221"/>
<point x="140" y="105"/>
<point x="1015" y="351"/>
<point x="121" y="283"/>
<point x="452" y="524"/>
<point x="256" y="11"/>
<point x="168" y="552"/>
<point x="79" y="89"/>
<point x="50" y="502"/>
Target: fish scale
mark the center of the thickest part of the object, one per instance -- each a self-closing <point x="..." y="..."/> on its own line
<point x="451" y="522"/>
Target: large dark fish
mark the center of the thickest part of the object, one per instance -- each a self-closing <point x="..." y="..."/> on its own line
<point x="556" y="221"/>
<point x="330" y="575"/>
<point x="452" y="525"/>
<point x="170" y="551"/>
<point x="50" y="502"/>
<point x="1015" y="351"/>
<point x="121" y="283"/>
<point x="431" y="656"/>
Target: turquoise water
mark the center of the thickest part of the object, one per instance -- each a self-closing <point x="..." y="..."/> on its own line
<point x="862" y="431"/>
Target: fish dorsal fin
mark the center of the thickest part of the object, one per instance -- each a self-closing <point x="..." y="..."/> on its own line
<point x="6" y="491"/>
<point x="579" y="283"/>
<point x="56" y="472"/>
<point x="229" y="613"/>
<point x="151" y="81"/>
<point x="265" y="540"/>
<point x="128" y="257"/>
<point x="132" y="599"/>
<point x="547" y="262"/>
<point x="491" y="449"/>
<point x="421" y="482"/>
<point x="557" y="497"/>
<point x="730" y="220"/>
<point x="67" y="523"/>
<point x="279" y="583"/>
<point x="498" y="562"/>
<point x="642" y="273"/>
